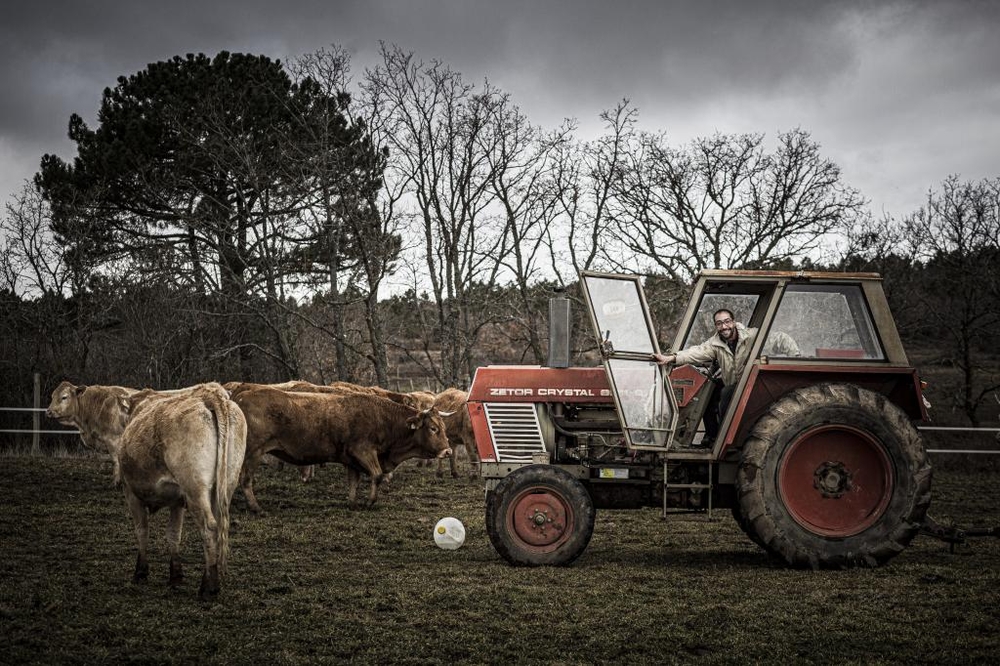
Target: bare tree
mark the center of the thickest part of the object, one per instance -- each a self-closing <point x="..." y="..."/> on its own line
<point x="723" y="202"/>
<point x="522" y="168"/>
<point x="441" y="125"/>
<point x="584" y="177"/>
<point x="957" y="237"/>
<point x="352" y="222"/>
<point x="31" y="261"/>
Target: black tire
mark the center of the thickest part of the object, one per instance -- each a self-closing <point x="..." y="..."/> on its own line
<point x="833" y="475"/>
<point x="745" y="525"/>
<point x="539" y="515"/>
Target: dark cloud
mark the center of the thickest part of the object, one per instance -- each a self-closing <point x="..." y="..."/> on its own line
<point x="890" y="83"/>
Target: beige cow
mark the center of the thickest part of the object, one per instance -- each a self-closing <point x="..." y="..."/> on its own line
<point x="452" y="403"/>
<point x="183" y="451"/>
<point x="96" y="411"/>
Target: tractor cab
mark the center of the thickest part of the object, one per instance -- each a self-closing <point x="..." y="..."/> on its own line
<point x="800" y="325"/>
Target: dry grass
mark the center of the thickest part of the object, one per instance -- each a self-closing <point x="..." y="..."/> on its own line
<point x="312" y="582"/>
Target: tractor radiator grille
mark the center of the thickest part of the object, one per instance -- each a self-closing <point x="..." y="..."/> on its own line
<point x="515" y="430"/>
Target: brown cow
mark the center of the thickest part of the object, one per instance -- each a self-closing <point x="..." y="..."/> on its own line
<point x="97" y="413"/>
<point x="183" y="450"/>
<point x="363" y="432"/>
<point x="453" y="403"/>
<point x="419" y="400"/>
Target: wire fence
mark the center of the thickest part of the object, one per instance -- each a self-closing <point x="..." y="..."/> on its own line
<point x="36" y="431"/>
<point x="33" y="431"/>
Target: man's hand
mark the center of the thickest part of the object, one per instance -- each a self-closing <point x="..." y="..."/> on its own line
<point x="664" y="360"/>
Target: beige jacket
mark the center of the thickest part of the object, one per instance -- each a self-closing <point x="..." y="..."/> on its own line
<point x="716" y="349"/>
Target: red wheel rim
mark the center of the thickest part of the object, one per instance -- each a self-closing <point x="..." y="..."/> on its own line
<point x="541" y="519"/>
<point x="835" y="480"/>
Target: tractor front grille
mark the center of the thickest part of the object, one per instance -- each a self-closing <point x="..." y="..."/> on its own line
<point x="515" y="430"/>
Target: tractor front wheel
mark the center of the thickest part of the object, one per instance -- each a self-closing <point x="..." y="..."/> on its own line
<point x="833" y="475"/>
<point x="539" y="515"/>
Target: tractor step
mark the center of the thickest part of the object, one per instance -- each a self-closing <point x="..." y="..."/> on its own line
<point x="667" y="485"/>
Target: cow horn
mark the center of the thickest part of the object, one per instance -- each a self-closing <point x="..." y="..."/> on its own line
<point x="445" y="413"/>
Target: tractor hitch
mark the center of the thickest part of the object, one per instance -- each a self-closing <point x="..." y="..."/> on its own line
<point x="953" y="534"/>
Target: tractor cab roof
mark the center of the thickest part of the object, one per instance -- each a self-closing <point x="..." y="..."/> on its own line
<point x="797" y="275"/>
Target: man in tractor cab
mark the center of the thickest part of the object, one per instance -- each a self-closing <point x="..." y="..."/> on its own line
<point x="727" y="352"/>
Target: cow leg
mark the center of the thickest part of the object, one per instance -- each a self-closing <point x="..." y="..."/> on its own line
<point x="387" y="471"/>
<point x="452" y="462"/>
<point x="201" y="512"/>
<point x="306" y="473"/>
<point x="473" y="460"/>
<point x="140" y="519"/>
<point x="353" y="479"/>
<point x="116" y="472"/>
<point x="246" y="482"/>
<point x="369" y="461"/>
<point x="175" y="527"/>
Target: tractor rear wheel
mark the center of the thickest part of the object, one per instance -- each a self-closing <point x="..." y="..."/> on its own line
<point x="833" y="475"/>
<point x="539" y="515"/>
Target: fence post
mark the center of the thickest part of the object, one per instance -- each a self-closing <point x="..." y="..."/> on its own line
<point x="36" y="416"/>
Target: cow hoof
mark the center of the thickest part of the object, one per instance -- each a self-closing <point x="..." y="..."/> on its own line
<point x="206" y="594"/>
<point x="141" y="574"/>
<point x="209" y="588"/>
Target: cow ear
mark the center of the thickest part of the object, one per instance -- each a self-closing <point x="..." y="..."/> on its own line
<point x="80" y="389"/>
<point x="125" y="403"/>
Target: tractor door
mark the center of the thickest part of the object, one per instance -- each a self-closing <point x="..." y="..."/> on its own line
<point x="620" y="316"/>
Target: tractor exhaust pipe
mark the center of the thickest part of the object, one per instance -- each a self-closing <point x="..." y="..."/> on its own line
<point x="559" y="331"/>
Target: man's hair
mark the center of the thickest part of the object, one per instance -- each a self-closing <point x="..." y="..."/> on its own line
<point x="726" y="310"/>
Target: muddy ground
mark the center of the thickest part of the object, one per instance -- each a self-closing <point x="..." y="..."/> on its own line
<point x="313" y="582"/>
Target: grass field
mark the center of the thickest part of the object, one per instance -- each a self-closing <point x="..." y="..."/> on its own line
<point x="313" y="582"/>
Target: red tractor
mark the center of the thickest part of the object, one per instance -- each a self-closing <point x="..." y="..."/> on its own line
<point x="817" y="454"/>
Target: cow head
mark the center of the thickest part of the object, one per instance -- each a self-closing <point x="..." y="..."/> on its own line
<point x="429" y="434"/>
<point x="65" y="404"/>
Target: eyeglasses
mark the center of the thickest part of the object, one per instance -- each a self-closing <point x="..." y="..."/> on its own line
<point x="723" y="322"/>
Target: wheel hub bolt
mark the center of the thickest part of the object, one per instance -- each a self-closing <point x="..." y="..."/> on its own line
<point x="832" y="479"/>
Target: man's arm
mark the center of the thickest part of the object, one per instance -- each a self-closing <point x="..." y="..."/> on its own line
<point x="702" y="354"/>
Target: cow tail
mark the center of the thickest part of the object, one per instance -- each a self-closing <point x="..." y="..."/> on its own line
<point x="221" y="496"/>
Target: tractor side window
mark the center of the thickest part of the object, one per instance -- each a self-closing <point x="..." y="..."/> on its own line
<point x="823" y="321"/>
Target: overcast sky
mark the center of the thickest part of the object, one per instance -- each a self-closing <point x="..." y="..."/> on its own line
<point x="899" y="94"/>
